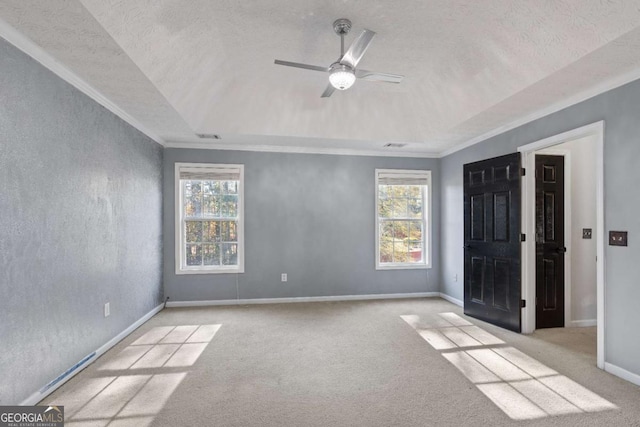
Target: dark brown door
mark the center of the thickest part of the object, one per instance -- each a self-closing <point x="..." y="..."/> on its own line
<point x="492" y="241"/>
<point x="550" y="249"/>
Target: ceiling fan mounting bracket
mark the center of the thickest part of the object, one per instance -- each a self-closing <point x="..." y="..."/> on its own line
<point x="342" y="26"/>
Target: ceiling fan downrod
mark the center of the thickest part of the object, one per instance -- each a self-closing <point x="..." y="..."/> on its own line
<point x="342" y="27"/>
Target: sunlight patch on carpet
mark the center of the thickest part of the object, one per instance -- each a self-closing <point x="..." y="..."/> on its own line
<point x="170" y="346"/>
<point x="522" y="387"/>
<point x="140" y="379"/>
<point x="436" y="339"/>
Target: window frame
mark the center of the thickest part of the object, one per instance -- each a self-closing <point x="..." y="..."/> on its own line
<point x="180" y="238"/>
<point x="426" y="218"/>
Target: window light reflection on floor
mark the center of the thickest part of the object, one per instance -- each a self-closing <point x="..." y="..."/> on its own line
<point x="167" y="346"/>
<point x="139" y="380"/>
<point x="519" y="385"/>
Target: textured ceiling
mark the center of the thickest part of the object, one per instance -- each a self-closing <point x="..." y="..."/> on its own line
<point x="201" y="66"/>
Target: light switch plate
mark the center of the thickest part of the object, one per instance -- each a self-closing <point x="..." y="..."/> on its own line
<point x="617" y="238"/>
<point x="586" y="233"/>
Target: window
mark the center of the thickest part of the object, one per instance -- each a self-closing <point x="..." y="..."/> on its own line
<point x="209" y="218"/>
<point x="403" y="199"/>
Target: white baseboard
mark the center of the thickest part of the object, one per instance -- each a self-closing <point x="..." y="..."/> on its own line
<point x="622" y="373"/>
<point x="47" y="390"/>
<point x="583" y="323"/>
<point x="299" y="299"/>
<point x="452" y="300"/>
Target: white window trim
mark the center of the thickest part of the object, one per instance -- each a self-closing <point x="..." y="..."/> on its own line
<point x="179" y="238"/>
<point x="426" y="213"/>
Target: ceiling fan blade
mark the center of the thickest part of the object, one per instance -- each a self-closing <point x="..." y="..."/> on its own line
<point x="378" y="77"/>
<point x="298" y="65"/>
<point x="328" y="91"/>
<point x="353" y="55"/>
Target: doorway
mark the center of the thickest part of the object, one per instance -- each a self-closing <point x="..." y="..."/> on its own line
<point x="550" y="241"/>
<point x="593" y="235"/>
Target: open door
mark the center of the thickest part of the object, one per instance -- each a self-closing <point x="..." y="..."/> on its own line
<point x="492" y="209"/>
<point x="550" y="244"/>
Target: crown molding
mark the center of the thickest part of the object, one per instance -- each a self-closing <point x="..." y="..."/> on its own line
<point x="297" y="149"/>
<point x="27" y="46"/>
<point x="30" y="48"/>
<point x="584" y="95"/>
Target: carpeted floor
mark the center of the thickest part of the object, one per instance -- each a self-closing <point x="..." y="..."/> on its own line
<point x="323" y="364"/>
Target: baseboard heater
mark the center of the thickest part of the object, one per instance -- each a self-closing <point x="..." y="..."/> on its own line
<point x="67" y="372"/>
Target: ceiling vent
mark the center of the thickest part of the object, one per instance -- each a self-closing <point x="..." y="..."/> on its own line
<point x="208" y="136"/>
<point x="394" y="145"/>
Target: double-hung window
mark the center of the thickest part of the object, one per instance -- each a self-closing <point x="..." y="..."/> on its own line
<point x="403" y="199"/>
<point x="209" y="218"/>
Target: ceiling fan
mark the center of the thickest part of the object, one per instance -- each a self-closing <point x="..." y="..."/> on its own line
<point x="343" y="72"/>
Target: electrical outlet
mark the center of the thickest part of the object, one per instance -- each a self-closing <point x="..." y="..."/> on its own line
<point x="455" y="278"/>
<point x="586" y="233"/>
<point x="107" y="310"/>
<point x="283" y="277"/>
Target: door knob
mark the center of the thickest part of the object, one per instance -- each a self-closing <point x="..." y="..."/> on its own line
<point x="561" y="250"/>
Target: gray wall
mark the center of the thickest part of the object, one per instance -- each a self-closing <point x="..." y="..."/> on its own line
<point x="80" y="225"/>
<point x="310" y="216"/>
<point x="620" y="108"/>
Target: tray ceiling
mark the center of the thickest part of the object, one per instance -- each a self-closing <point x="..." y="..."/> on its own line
<point x="471" y="68"/>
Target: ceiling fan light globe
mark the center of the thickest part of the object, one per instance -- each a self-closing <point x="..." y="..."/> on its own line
<point x="342" y="77"/>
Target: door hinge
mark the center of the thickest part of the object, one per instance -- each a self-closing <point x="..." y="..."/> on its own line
<point x="523" y="171"/>
<point x="523" y="237"/>
<point x="523" y="303"/>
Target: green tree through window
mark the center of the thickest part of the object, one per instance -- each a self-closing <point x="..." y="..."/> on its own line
<point x="210" y="219"/>
<point x="401" y="216"/>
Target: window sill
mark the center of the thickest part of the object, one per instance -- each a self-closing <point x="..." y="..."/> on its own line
<point x="234" y="270"/>
<point x="403" y="267"/>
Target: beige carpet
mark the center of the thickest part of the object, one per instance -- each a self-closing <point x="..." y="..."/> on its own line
<point x="332" y="364"/>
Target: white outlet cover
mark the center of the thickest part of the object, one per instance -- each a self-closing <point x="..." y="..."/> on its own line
<point x="284" y="277"/>
<point x="107" y="310"/>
